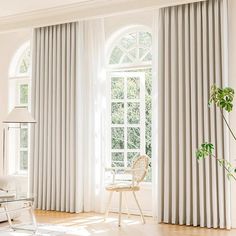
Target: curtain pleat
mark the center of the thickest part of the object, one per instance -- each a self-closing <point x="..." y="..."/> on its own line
<point x="54" y="163"/>
<point x="191" y="54"/>
<point x="69" y="104"/>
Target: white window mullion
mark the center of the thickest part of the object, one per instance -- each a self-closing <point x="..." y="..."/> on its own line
<point x="122" y="125"/>
<point x="142" y="113"/>
<point x="110" y="120"/>
<point x="125" y="120"/>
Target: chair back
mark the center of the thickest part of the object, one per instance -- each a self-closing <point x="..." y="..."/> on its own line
<point x="141" y="164"/>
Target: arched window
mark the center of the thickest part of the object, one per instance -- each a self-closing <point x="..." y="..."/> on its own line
<point x="19" y="94"/>
<point x="132" y="48"/>
<point x="130" y="75"/>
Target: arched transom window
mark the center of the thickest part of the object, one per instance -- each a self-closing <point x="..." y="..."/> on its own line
<point x="132" y="48"/>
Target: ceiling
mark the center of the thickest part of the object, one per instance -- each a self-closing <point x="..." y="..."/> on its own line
<point x="19" y="14"/>
<point x="17" y="7"/>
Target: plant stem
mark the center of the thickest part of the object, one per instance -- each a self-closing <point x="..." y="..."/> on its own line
<point x="224" y="167"/>
<point x="231" y="131"/>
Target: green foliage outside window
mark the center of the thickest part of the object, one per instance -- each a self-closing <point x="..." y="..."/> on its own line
<point x="25" y="62"/>
<point x="133" y="117"/>
<point x="24" y="93"/>
<point x="23" y="160"/>
<point x="24" y="130"/>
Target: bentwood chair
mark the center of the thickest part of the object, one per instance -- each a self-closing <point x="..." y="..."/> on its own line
<point x="138" y="172"/>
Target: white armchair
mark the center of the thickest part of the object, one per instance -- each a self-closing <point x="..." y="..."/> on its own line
<point x="138" y="172"/>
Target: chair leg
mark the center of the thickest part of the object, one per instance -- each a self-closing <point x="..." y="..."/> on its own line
<point x="141" y="213"/>
<point x="31" y="211"/>
<point x="120" y="206"/>
<point x="126" y="205"/>
<point x="108" y="205"/>
<point x="8" y="217"/>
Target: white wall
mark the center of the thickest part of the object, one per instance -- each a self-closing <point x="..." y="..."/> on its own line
<point x="232" y="83"/>
<point x="74" y="12"/>
<point x="9" y="43"/>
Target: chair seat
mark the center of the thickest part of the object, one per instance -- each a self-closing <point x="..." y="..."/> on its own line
<point x="120" y="187"/>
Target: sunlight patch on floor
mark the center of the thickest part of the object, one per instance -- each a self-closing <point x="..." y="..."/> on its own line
<point x="81" y="225"/>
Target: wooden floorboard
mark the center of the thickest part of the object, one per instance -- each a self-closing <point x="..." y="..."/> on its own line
<point x="93" y="224"/>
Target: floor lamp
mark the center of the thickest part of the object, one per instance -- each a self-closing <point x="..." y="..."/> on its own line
<point x="19" y="115"/>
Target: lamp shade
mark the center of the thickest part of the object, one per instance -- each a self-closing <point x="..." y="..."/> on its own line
<point x="19" y="114"/>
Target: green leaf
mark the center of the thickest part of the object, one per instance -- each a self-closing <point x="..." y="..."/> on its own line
<point x="222" y="98"/>
<point x="206" y="149"/>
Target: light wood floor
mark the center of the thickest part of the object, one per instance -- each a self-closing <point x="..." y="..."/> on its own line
<point x="88" y="224"/>
<point x="93" y="224"/>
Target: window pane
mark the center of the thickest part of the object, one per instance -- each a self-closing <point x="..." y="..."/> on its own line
<point x="145" y="39"/>
<point x="116" y="55"/>
<point x="148" y="112"/>
<point x="142" y="52"/>
<point x="133" y="113"/>
<point x="133" y="88"/>
<point x="24" y="66"/>
<point x="25" y="62"/>
<point x="133" y="138"/>
<point x="148" y="57"/>
<point x="24" y="137"/>
<point x="117" y="136"/>
<point x="24" y="93"/>
<point x="23" y="160"/>
<point x="130" y="157"/>
<point x="133" y="53"/>
<point x="126" y="59"/>
<point x="117" y="159"/>
<point x="129" y="40"/>
<point x="117" y="88"/>
<point x="117" y="112"/>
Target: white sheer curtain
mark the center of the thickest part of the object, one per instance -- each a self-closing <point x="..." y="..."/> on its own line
<point x="92" y="137"/>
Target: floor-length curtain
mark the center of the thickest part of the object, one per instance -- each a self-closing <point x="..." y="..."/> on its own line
<point x="69" y="104"/>
<point x="92" y="113"/>
<point x="191" y="57"/>
<point x="54" y="163"/>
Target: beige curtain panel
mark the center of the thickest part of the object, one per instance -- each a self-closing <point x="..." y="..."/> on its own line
<point x="53" y="165"/>
<point x="191" y="55"/>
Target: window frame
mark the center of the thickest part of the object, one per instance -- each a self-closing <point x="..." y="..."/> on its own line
<point x="16" y="79"/>
<point x="123" y="68"/>
<point x="126" y="125"/>
<point x="19" y="82"/>
<point x="115" y="38"/>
